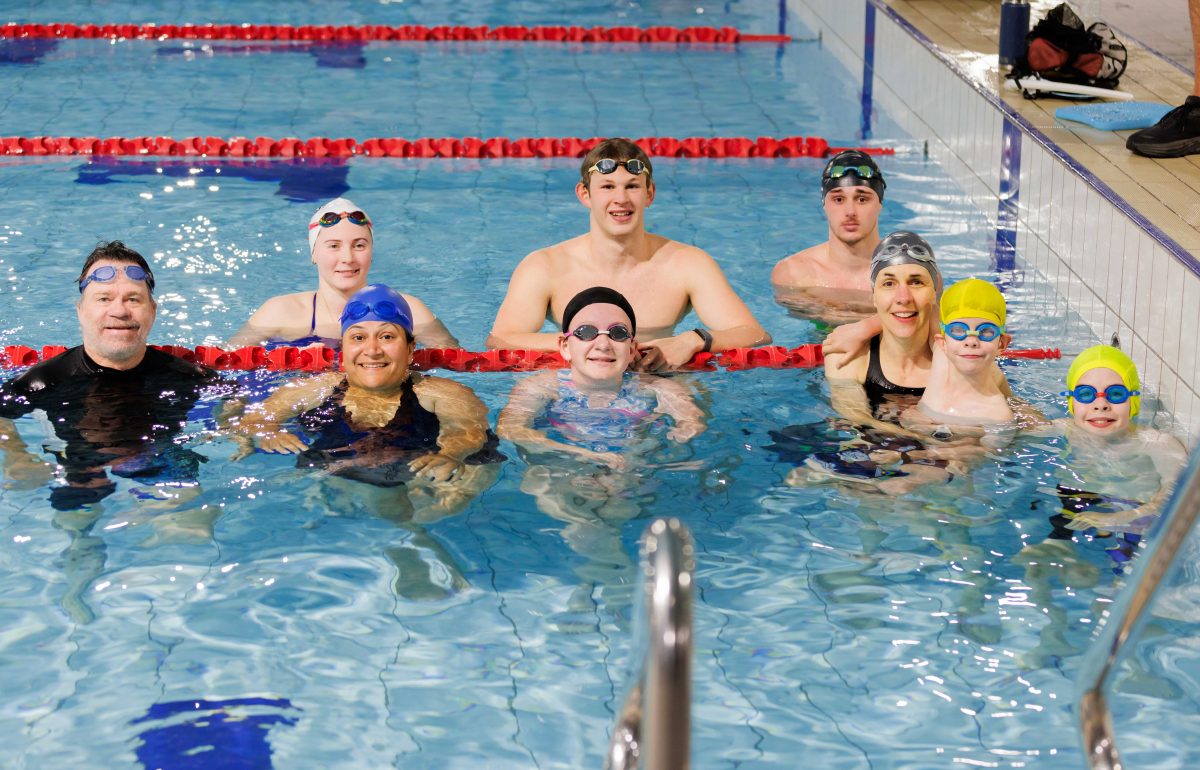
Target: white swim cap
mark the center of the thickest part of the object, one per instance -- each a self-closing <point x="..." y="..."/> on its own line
<point x="343" y="208"/>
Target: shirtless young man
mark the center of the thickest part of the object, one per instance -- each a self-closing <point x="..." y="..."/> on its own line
<point x="663" y="279"/>
<point x="832" y="281"/>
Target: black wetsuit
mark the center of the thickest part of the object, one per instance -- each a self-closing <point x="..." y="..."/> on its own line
<point x="882" y="391"/>
<point x="124" y="420"/>
<point x="383" y="454"/>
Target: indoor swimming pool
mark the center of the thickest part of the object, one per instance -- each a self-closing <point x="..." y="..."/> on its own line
<point x="287" y="619"/>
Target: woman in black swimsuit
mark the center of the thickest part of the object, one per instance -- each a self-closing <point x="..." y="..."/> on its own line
<point x="876" y="384"/>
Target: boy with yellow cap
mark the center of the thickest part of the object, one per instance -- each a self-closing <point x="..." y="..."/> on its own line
<point x="1109" y="453"/>
<point x="963" y="397"/>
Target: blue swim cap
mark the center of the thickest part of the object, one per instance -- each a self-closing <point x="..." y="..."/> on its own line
<point x="377" y="302"/>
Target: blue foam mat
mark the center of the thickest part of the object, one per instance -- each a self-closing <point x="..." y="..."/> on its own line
<point x="1115" y="116"/>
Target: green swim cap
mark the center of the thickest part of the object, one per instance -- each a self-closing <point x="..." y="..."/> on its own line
<point x="1105" y="357"/>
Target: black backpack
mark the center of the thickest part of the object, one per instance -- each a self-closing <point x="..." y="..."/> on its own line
<point x="1059" y="48"/>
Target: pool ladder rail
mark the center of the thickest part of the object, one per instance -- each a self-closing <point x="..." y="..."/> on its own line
<point x="1125" y="621"/>
<point x="653" y="730"/>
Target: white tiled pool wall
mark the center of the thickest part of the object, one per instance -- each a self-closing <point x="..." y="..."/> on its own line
<point x="1088" y="246"/>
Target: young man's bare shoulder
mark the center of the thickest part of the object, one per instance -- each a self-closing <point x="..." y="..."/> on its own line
<point x="800" y="267"/>
<point x="678" y="253"/>
<point x="556" y="254"/>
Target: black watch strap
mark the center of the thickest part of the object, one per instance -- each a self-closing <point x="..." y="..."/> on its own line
<point x="704" y="335"/>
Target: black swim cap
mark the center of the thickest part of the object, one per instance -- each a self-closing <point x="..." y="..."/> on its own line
<point x="848" y="164"/>
<point x="598" y="295"/>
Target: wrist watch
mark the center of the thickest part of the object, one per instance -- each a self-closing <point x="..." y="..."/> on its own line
<point x="708" y="340"/>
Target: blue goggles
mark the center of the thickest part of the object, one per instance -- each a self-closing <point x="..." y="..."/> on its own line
<point x="960" y="330"/>
<point x="109" y="273"/>
<point x="383" y="310"/>
<point x="1113" y="394"/>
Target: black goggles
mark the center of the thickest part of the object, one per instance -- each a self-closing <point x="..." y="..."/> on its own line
<point x="608" y="165"/>
<point x="108" y="273"/>
<point x="616" y="332"/>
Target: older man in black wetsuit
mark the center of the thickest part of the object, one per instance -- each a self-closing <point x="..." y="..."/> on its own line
<point x="114" y="401"/>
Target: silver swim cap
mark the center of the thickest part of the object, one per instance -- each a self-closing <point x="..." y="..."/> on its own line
<point x="905" y="248"/>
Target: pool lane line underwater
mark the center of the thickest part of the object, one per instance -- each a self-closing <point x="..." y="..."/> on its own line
<point x="424" y="147"/>
<point x="385" y="33"/>
<point x="1012" y="115"/>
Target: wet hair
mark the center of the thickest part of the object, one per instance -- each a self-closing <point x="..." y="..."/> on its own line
<point x="618" y="149"/>
<point x="598" y="295"/>
<point x="116" y="251"/>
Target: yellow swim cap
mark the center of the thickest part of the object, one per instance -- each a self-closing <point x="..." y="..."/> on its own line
<point x="973" y="298"/>
<point x="1105" y="357"/>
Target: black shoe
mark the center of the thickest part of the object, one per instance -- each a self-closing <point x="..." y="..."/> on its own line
<point x="1176" y="135"/>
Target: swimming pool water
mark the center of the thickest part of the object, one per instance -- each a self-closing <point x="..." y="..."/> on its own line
<point x="319" y="626"/>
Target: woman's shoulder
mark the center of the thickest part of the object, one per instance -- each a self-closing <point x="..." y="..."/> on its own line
<point x="284" y="304"/>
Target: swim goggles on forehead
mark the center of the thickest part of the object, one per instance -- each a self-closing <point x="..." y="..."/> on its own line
<point x="588" y="332"/>
<point x="608" y="165"/>
<point x="331" y="218"/>
<point x="1113" y="394"/>
<point x="384" y="310"/>
<point x="960" y="330"/>
<point x="915" y="250"/>
<point x="108" y="272"/>
<point x="862" y="172"/>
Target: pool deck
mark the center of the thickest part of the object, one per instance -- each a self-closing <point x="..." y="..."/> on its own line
<point x="1166" y="192"/>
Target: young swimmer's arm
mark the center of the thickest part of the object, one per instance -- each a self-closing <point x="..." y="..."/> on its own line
<point x="849" y="399"/>
<point x="528" y="399"/>
<point x="851" y="340"/>
<point x="721" y="310"/>
<point x="264" y="421"/>
<point x="462" y="427"/>
<point x="675" y="401"/>
<point x="525" y="308"/>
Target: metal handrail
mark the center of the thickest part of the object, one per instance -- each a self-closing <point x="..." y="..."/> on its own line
<point x="653" y="730"/>
<point x="1126" y="618"/>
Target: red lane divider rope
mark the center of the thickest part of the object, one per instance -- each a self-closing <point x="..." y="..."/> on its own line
<point x="453" y="359"/>
<point x="427" y="147"/>
<point x="379" y="32"/>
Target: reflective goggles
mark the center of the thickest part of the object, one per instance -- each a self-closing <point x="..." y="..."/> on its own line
<point x="1113" y="394"/>
<point x="588" y="332"/>
<point x="383" y="310"/>
<point x="862" y="172"/>
<point x="608" y="165"/>
<point x="108" y="273"/>
<point x="331" y="218"/>
<point x="960" y="330"/>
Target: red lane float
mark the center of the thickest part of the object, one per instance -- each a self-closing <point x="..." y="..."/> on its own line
<point x="425" y="147"/>
<point x="321" y="359"/>
<point x="378" y="32"/>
